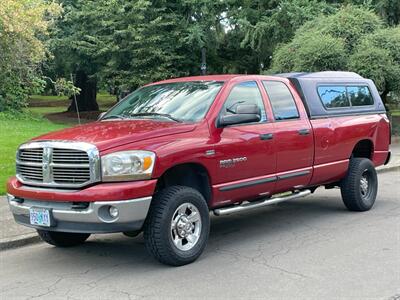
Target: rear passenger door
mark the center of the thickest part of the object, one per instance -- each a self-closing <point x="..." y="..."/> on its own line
<point x="293" y="137"/>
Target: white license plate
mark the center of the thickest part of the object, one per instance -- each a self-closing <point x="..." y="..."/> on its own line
<point x="39" y="216"/>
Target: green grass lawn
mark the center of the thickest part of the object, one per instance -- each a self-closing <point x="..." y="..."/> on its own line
<point x="14" y="132"/>
<point x="47" y="98"/>
<point x="105" y="101"/>
<point x="395" y="113"/>
<point x="41" y="111"/>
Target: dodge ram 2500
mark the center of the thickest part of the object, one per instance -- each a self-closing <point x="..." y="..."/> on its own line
<point x="160" y="160"/>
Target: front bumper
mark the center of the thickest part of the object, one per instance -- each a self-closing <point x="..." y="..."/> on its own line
<point x="94" y="218"/>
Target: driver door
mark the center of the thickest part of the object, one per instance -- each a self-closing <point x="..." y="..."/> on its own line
<point x="245" y="152"/>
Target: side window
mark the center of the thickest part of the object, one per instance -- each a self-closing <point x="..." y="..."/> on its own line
<point x="282" y="102"/>
<point x="333" y="96"/>
<point x="345" y="96"/>
<point x="359" y="95"/>
<point x="244" y="93"/>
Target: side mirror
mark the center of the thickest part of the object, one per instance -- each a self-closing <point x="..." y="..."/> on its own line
<point x="244" y="113"/>
<point x="101" y="115"/>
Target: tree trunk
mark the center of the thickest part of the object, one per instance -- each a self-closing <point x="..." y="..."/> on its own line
<point x="87" y="98"/>
<point x="384" y="95"/>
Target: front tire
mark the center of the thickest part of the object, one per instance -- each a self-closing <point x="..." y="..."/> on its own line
<point x="62" y="239"/>
<point x="177" y="226"/>
<point x="360" y="186"/>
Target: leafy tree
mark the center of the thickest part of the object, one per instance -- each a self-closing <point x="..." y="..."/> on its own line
<point x="352" y="39"/>
<point x="268" y="23"/>
<point x="350" y="23"/>
<point x="125" y="44"/>
<point x="78" y="50"/>
<point x="378" y="57"/>
<point x="22" y="22"/>
<point x="311" y="51"/>
<point x="389" y="10"/>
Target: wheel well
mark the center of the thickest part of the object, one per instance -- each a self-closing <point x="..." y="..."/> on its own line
<point x="191" y="174"/>
<point x="363" y="148"/>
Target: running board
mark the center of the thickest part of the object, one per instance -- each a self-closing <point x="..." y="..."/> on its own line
<point x="251" y="205"/>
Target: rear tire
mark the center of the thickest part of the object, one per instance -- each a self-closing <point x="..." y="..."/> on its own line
<point x="177" y="226"/>
<point x="62" y="239"/>
<point x="360" y="186"/>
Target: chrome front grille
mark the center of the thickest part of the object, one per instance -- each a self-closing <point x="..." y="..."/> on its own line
<point x="31" y="155"/>
<point x="33" y="173"/>
<point x="58" y="164"/>
<point x="70" y="156"/>
<point x="71" y="175"/>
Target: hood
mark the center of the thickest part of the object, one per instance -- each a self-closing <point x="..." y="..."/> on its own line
<point x="110" y="134"/>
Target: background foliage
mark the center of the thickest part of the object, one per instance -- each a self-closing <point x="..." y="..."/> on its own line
<point x="354" y="39"/>
<point x="119" y="45"/>
<point x="23" y="30"/>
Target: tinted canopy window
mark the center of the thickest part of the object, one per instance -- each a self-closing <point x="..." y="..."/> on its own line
<point x="333" y="96"/>
<point x="345" y="96"/>
<point x="244" y="93"/>
<point x="359" y="95"/>
<point x="282" y="102"/>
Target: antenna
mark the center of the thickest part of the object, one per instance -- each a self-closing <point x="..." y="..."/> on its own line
<point x="76" y="103"/>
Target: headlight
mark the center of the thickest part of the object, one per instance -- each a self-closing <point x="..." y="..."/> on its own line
<point x="127" y="165"/>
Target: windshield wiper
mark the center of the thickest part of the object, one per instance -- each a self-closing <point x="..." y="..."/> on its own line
<point x="156" y="114"/>
<point x="113" y="117"/>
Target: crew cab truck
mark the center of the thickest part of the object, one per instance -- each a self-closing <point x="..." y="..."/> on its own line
<point x="172" y="151"/>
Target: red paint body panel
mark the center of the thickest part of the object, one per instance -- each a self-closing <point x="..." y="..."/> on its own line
<point x="109" y="134"/>
<point x="287" y="161"/>
<point x="100" y="192"/>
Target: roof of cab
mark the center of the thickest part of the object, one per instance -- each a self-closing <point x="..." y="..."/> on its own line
<point x="323" y="74"/>
<point x="221" y="78"/>
<point x="226" y="77"/>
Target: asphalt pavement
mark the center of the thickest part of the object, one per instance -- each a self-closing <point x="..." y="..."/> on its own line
<point x="13" y="235"/>
<point x="309" y="248"/>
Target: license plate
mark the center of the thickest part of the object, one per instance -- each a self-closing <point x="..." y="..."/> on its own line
<point x="39" y="216"/>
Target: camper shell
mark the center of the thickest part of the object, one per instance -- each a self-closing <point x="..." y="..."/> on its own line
<point x="307" y="85"/>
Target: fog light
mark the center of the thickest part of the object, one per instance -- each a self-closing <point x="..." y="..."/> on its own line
<point x="113" y="211"/>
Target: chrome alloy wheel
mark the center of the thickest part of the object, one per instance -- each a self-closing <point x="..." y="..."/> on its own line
<point x="186" y="226"/>
<point x="364" y="184"/>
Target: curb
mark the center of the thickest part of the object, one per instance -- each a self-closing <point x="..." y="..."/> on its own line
<point x="389" y="169"/>
<point x="19" y="241"/>
<point x="33" y="238"/>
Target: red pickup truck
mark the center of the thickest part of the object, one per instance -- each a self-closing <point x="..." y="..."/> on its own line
<point x="160" y="160"/>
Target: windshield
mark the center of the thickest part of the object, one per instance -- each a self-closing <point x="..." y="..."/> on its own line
<point x="178" y="101"/>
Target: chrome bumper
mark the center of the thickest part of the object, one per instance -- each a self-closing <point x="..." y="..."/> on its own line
<point x="95" y="218"/>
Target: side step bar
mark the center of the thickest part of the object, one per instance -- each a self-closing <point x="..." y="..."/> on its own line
<point x="251" y="205"/>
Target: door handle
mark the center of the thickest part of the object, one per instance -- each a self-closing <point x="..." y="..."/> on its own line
<point x="266" y="136"/>
<point x="304" y="131"/>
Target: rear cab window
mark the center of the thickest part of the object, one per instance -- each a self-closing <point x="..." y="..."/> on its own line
<point x="282" y="101"/>
<point x="345" y="96"/>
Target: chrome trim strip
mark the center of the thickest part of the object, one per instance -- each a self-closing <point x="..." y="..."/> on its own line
<point x="294" y="174"/>
<point x="247" y="184"/>
<point x="46" y="189"/>
<point x="33" y="164"/>
<point x="235" y="186"/>
<point x="347" y="114"/>
<point x="47" y="154"/>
